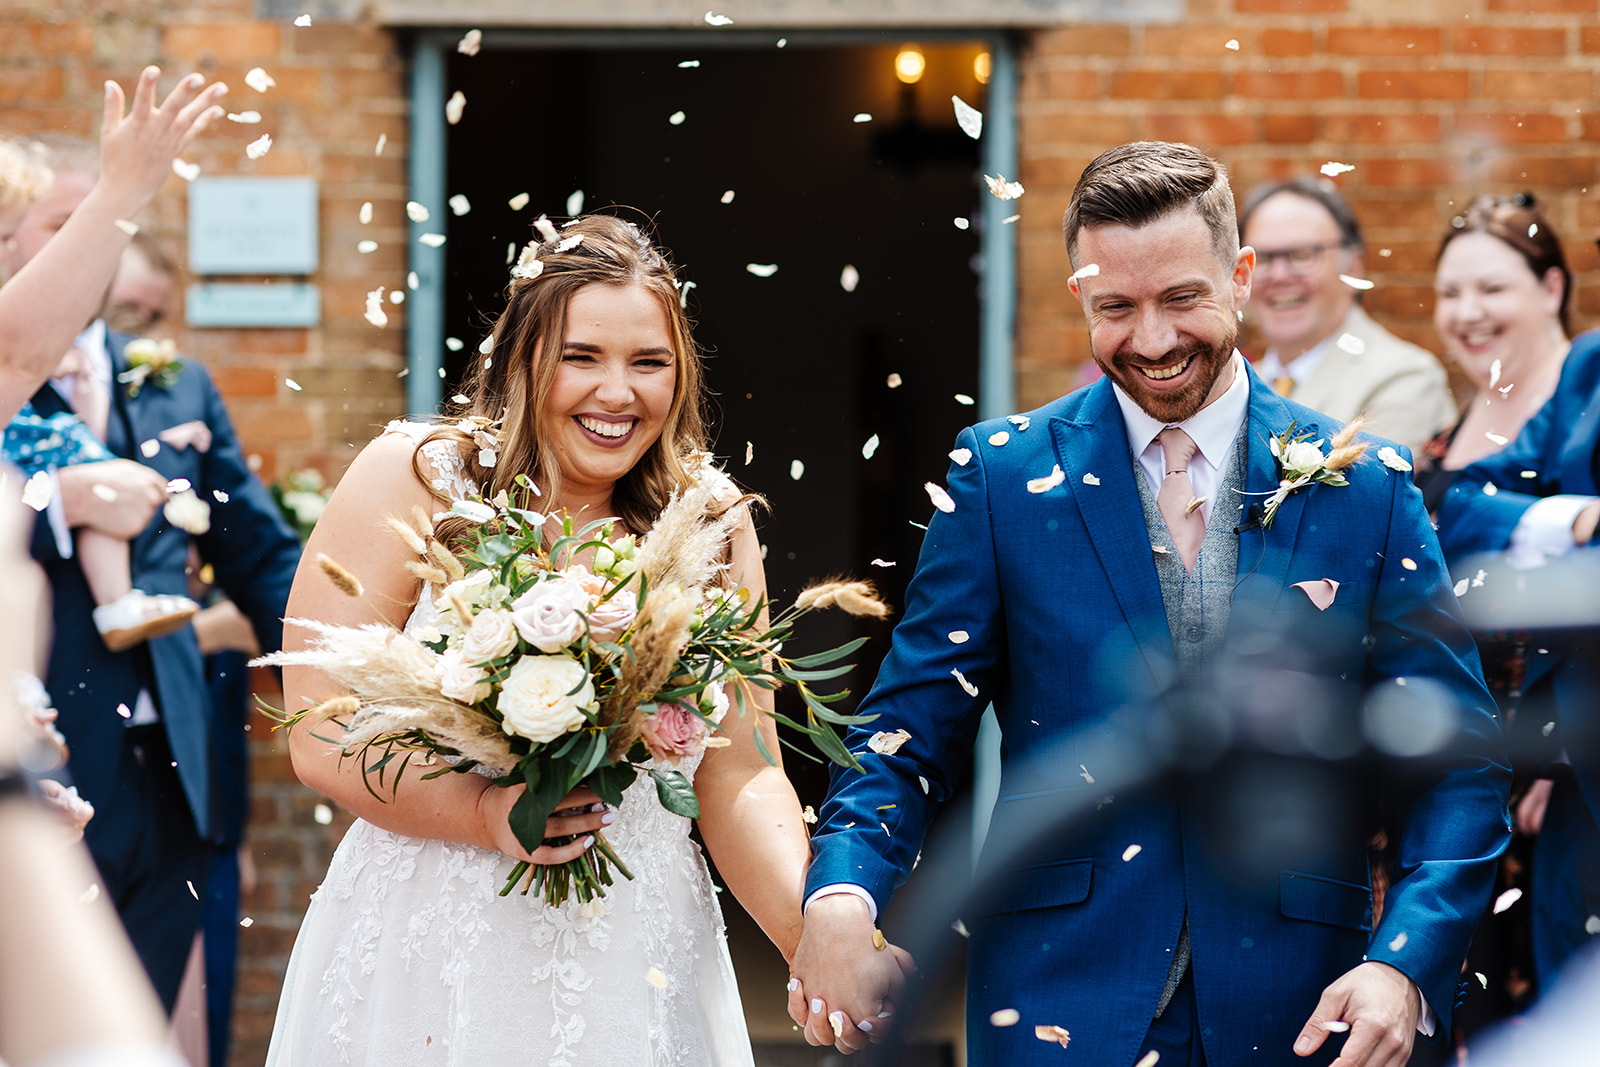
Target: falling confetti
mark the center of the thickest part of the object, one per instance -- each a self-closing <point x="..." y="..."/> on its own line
<point x="1131" y="851"/>
<point x="365" y="214"/>
<point x="870" y="447"/>
<point x="219" y="496"/>
<point x="90" y="895"/>
<point x="809" y="815"/>
<point x="961" y="456"/>
<point x="961" y="223"/>
<point x="958" y="637"/>
<point x="1483" y="979"/>
<point x="1231" y="45"/>
<point x="37" y="492"/>
<point x="893" y="381"/>
<point x="575" y="203"/>
<point x="688" y="64"/>
<point x="1058" y="1034"/>
<point x="1490" y="489"/>
<point x="727" y="197"/>
<point x="676" y="118"/>
<point x="1591" y="926"/>
<point x="302" y="20"/>
<point x="259" y="80"/>
<point x="186" y="170"/>
<point x="366" y="247"/>
<point x="1494" y="373"/>
<point x="125" y="711"/>
<point x="292" y="384"/>
<point x="1021" y="422"/>
<point x="749" y="452"/>
<point x="1001" y="188"/>
<point x="417" y="212"/>
<point x="999" y="437"/>
<point x="412" y="281"/>
<point x="861" y="116"/>
<point x="323" y="814"/>
<point x="129" y="228"/>
<point x="1320" y="592"/>
<point x="971" y="689"/>
<point x="1332" y="169"/>
<point x="1349" y="342"/>
<point x="713" y="19"/>
<point x="1409" y="564"/>
<point x="1357" y="283"/>
<point x="259" y="147"/>
<point x="762" y="270"/>
<point x="148" y="449"/>
<point x="460" y="204"/>
<point x="849" y="278"/>
<point x="1399" y="942"/>
<point x="486" y="345"/>
<point x="969" y="118"/>
<point x="1048" y="482"/>
<point x="432" y="240"/>
<point x="455" y="106"/>
<point x="247" y="922"/>
<point x="1089" y="479"/>
<point x="796" y="470"/>
<point x="940" y="498"/>
<point x="104" y="492"/>
<point x="883" y="562"/>
<point x="1336" y="1026"/>
<point x="1506" y="899"/>
<point x="383" y="139"/>
<point x="247" y="118"/>
<point x="656" y="978"/>
<point x="1150" y="1059"/>
<point x="470" y="43"/>
<point x="1005" y="1017"/>
<point x="397" y="296"/>
<point x="1499" y="439"/>
<point x="192" y="892"/>
<point x="1392" y="459"/>
<point x="375" y="313"/>
<point x="964" y="400"/>
<point x="518" y="202"/>
<point x="1462" y="586"/>
<point x="888" y="743"/>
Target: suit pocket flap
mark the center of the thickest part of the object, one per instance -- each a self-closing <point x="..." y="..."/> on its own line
<point x="1325" y="900"/>
<point x="1043" y="885"/>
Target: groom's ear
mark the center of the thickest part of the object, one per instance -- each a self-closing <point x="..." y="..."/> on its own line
<point x="1244" y="269"/>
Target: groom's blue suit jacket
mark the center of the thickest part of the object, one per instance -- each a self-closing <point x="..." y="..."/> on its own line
<point x="1059" y="596"/>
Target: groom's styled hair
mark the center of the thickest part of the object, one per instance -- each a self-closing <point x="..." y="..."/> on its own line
<point x="1138" y="183"/>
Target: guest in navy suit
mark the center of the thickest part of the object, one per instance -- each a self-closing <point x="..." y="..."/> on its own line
<point x="1096" y="568"/>
<point x="139" y="723"/>
<point x="1535" y="505"/>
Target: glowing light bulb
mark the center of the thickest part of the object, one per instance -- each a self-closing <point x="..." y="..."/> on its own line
<point x="909" y="64"/>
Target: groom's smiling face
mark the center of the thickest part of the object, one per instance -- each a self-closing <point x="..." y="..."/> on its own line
<point x="1162" y="310"/>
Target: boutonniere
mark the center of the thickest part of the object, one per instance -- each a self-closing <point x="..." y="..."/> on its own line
<point x="1302" y="461"/>
<point x="150" y="363"/>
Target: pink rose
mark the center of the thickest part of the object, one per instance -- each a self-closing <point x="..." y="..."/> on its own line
<point x="607" y="621"/>
<point x="673" y="732"/>
<point x="549" y="616"/>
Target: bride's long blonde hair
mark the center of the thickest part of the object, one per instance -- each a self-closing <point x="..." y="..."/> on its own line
<point x="512" y="382"/>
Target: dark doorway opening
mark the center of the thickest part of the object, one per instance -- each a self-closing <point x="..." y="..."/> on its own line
<point x="768" y="165"/>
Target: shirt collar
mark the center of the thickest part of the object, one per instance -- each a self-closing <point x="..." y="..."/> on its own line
<point x="94" y="342"/>
<point x="1303" y="366"/>
<point x="1212" y="428"/>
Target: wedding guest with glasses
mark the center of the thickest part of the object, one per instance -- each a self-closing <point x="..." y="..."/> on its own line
<point x="142" y="291"/>
<point x="1322" y="349"/>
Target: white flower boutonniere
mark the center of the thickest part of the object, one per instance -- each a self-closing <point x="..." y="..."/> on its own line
<point x="152" y="362"/>
<point x="1301" y="461"/>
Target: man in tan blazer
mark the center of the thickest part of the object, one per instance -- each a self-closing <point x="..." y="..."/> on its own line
<point x="1322" y="349"/>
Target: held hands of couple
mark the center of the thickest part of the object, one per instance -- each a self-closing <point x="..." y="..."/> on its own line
<point x="841" y="983"/>
<point x="1381" y="1006"/>
<point x="580" y="813"/>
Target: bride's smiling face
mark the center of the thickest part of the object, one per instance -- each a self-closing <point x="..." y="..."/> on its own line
<point x="613" y="390"/>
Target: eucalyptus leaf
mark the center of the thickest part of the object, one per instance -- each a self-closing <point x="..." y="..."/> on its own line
<point x="676" y="793"/>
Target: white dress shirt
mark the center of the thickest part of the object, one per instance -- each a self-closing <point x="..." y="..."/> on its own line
<point x="1300" y="369"/>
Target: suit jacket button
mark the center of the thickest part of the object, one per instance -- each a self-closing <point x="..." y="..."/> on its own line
<point x="1193" y="633"/>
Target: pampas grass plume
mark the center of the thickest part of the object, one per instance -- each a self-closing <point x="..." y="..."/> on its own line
<point x="342" y="580"/>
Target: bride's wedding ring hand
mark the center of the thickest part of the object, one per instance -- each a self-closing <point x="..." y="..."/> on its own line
<point x="580" y="815"/>
<point x="844" y="985"/>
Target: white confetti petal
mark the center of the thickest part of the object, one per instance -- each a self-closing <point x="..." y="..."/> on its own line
<point x="1591" y="925"/>
<point x="1357" y="283"/>
<point x="870" y="447"/>
<point x="1090" y="479"/>
<point x="186" y="170"/>
<point x="1462" y="586"/>
<point x="1021" y="422"/>
<point x="1048" y="482"/>
<point x="125" y="711"/>
<point x="1083" y="772"/>
<point x="412" y="281"/>
<point x="1150" y="1059"/>
<point x="969" y="118"/>
<point x="940" y="498"/>
<point x="1494" y="374"/>
<point x="486" y="345"/>
<point x="129" y="228"/>
<point x="1088" y="270"/>
<point x="575" y="203"/>
<point x="302" y="20"/>
<point x="888" y="743"/>
<point x="192" y="891"/>
<point x="104" y="492"/>
<point x="397" y="296"/>
<point x="1477" y="579"/>
<point x="1231" y="45"/>
<point x="383" y="139"/>
<point x="366" y="247"/>
<point x="1409" y="564"/>
<point x="961" y="223"/>
<point x="762" y="270"/>
<point x="959" y="637"/>
<point x="1399" y="942"/>
<point x="90" y="895"/>
<point x="247" y="118"/>
<point x="893" y="381"/>
<point x="1393" y="459"/>
<point x="1332" y="169"/>
<point x="1002" y="189"/>
<point x="727" y="197"/>
<point x="220" y="496"/>
<point x="964" y="400"/>
<point x="1336" y="1026"/>
<point x="259" y="80"/>
<point x="1005" y="1017"/>
<point x="292" y="384"/>
<point x="365" y="214"/>
<point x="247" y="922"/>
<point x="861" y="116"/>
<point x="417" y="212"/>
<point x="375" y="313"/>
<point x="1349" y="342"/>
<point x="470" y="43"/>
<point x="797" y="470"/>
<point x="961" y="456"/>
<point x="460" y="204"/>
<point x="676" y="118"/>
<point x="1506" y="899"/>
<point x="883" y="562"/>
<point x="1490" y="489"/>
<point x="713" y="19"/>
<point x="148" y="449"/>
<point x="656" y="978"/>
<point x="36" y="493"/>
<point x="518" y="202"/>
<point x="749" y="452"/>
<point x="1131" y="851"/>
<point x="454" y="106"/>
<point x="971" y="689"/>
<point x="432" y="240"/>
<point x="259" y="147"/>
<point x="849" y="278"/>
<point x="1483" y="979"/>
<point x="1498" y="439"/>
<point x="924" y="783"/>
<point x="999" y="437"/>
<point x="688" y="64"/>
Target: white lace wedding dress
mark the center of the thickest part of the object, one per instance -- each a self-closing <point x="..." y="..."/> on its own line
<point x="408" y="955"/>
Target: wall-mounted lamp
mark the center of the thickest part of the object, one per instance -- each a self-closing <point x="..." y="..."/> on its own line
<point x="909" y="64"/>
<point x="981" y="67"/>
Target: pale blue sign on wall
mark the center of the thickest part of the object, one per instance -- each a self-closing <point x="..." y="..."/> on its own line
<point x="238" y="304"/>
<point x="253" y="226"/>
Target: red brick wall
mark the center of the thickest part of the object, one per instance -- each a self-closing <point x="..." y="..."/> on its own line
<point x="1432" y="101"/>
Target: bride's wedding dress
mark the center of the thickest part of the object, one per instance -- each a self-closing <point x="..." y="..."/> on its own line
<point x="408" y="955"/>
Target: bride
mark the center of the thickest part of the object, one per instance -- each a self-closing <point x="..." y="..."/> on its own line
<point x="408" y="954"/>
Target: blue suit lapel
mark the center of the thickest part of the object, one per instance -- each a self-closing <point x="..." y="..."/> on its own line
<point x="1096" y="444"/>
<point x="1578" y="453"/>
<point x="121" y="434"/>
<point x="1266" y="552"/>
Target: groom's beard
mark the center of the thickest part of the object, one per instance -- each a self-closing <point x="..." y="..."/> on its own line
<point x="1171" y="405"/>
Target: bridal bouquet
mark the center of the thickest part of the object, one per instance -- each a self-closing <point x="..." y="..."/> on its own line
<point x="554" y="673"/>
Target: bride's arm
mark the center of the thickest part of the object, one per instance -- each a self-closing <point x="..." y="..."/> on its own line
<point x="749" y="814"/>
<point x="451" y="807"/>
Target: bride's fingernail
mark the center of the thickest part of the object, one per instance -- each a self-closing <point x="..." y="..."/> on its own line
<point x="608" y="818"/>
<point x="598" y="806"/>
<point x="794" y="984"/>
<point x="865" y="1024"/>
<point x="816" y="1005"/>
<point x="587" y="841"/>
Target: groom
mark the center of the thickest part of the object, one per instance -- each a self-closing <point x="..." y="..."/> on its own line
<point x="1100" y="571"/>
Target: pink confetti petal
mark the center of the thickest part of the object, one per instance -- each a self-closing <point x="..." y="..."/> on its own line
<point x="1321" y="591"/>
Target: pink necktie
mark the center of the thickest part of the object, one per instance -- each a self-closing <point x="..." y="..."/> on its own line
<point x="88" y="400"/>
<point x="1176" y="500"/>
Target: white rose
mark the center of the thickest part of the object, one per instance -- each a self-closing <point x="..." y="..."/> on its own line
<point x="472" y="591"/>
<point x="188" y="512"/>
<point x="460" y="680"/>
<point x="608" y="621"/>
<point x="493" y="634"/>
<point x="714" y="702"/>
<point x="537" y="699"/>
<point x="1302" y="457"/>
<point x="550" y="615"/>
